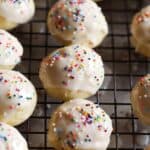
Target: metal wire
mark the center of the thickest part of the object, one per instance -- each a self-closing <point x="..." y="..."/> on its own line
<point x="117" y="53"/>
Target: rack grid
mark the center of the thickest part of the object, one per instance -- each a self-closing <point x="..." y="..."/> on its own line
<point x="122" y="69"/>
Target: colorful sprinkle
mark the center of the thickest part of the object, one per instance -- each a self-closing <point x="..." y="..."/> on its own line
<point x="77" y="118"/>
<point x="77" y="64"/>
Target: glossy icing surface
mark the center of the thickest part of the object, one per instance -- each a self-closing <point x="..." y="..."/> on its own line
<point x="18" y="11"/>
<point x="11" y="49"/>
<point x="80" y="124"/>
<point x="78" y="22"/>
<point x="74" y="67"/>
<point x="17" y="97"/>
<point x="11" y="139"/>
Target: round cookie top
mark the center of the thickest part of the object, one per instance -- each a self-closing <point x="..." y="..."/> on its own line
<point x="17" y="11"/>
<point x="11" y="139"/>
<point x="140" y="97"/>
<point x="17" y="97"/>
<point x="140" y="27"/>
<point x="80" y="124"/>
<point x="77" y="22"/>
<point x="74" y="67"/>
<point x="10" y="49"/>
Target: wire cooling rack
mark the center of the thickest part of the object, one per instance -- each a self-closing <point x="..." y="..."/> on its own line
<point x="122" y="67"/>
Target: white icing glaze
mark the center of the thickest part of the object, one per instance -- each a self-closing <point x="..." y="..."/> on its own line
<point x="10" y="49"/>
<point x="18" y="11"/>
<point x="11" y="139"/>
<point x="74" y="67"/>
<point x="17" y="97"/>
<point x="78" y="21"/>
<point x="80" y="124"/>
<point x="140" y="98"/>
<point x="140" y="29"/>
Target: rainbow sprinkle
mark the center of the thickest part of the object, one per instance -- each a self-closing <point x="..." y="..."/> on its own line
<point x="76" y="65"/>
<point x="17" y="92"/>
<point x="87" y="118"/>
<point x="73" y="14"/>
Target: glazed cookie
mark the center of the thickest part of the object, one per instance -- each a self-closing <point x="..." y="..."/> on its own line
<point x="140" y="30"/>
<point x="11" y="139"/>
<point x="72" y="72"/>
<point x="14" y="12"/>
<point x="140" y="98"/>
<point x="11" y="50"/>
<point x="79" y="125"/>
<point x="17" y="97"/>
<point x="77" y="22"/>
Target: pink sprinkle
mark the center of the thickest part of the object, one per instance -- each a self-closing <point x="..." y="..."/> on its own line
<point x="5" y="81"/>
<point x="76" y="65"/>
<point x="78" y="126"/>
<point x="17" y="90"/>
<point x="11" y="107"/>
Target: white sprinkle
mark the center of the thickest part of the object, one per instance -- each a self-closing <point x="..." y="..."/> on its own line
<point x="64" y="28"/>
<point x="51" y="65"/>
<point x="145" y="96"/>
<point x="54" y="129"/>
<point x="5" y="114"/>
<point x="53" y="124"/>
<point x="60" y="114"/>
